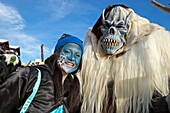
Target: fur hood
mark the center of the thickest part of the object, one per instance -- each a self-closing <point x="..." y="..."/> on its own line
<point x="136" y="71"/>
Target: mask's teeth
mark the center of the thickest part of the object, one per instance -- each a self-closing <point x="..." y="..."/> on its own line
<point x="107" y="43"/>
<point x="110" y="42"/>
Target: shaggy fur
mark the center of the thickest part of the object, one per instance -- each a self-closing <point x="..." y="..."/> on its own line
<point x="135" y="75"/>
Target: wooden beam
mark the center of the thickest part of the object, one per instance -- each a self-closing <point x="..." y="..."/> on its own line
<point x="160" y="6"/>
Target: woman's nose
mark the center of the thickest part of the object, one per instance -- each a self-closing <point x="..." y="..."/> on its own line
<point x="72" y="57"/>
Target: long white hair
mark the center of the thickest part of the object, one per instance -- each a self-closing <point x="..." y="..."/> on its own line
<point x="143" y="69"/>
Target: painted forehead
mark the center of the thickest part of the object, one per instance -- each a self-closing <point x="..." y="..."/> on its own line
<point x="74" y="46"/>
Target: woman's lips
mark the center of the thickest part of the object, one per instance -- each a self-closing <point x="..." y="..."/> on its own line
<point x="69" y="64"/>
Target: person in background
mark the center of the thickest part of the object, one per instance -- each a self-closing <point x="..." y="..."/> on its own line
<point x="58" y="90"/>
<point x="9" y="62"/>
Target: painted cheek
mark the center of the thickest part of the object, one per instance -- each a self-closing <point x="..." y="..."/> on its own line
<point x="64" y="54"/>
<point x="78" y="61"/>
<point x="61" y="60"/>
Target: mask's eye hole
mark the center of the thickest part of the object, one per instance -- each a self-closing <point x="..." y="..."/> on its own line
<point x="119" y="26"/>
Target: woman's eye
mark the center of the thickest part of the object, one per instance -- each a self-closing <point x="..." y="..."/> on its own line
<point x="77" y="55"/>
<point x="67" y="52"/>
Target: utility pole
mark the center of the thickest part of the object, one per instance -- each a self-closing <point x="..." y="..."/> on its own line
<point x="42" y="52"/>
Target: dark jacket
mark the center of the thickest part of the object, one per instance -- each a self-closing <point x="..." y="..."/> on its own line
<point x="15" y="91"/>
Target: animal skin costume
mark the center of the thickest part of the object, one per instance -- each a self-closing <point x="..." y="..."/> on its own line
<point x="126" y="64"/>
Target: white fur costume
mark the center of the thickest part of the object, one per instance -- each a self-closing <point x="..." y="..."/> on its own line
<point x="143" y="69"/>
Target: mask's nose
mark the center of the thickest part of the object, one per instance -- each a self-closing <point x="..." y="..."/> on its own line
<point x="112" y="31"/>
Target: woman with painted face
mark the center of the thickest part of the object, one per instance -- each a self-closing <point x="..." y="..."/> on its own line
<point x="49" y="88"/>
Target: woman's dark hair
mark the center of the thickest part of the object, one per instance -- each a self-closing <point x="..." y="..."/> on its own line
<point x="74" y="94"/>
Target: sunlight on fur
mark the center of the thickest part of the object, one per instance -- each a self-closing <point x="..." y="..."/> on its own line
<point x="143" y="69"/>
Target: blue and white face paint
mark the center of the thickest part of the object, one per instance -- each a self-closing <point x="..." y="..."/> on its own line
<point x="70" y="58"/>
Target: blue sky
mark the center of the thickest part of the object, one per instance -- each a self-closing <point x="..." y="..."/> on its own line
<point x="30" y="23"/>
